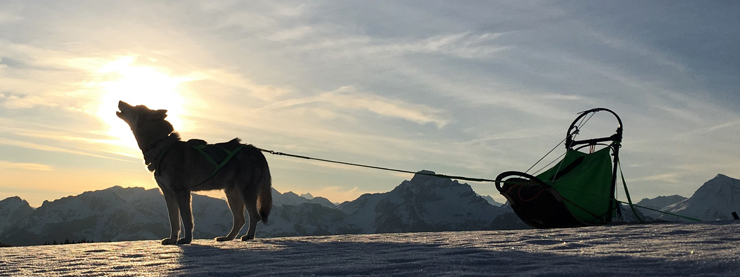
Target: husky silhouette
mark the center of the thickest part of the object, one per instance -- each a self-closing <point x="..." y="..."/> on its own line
<point x="182" y="167"/>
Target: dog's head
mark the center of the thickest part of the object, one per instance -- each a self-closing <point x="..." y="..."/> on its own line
<point x="147" y="125"/>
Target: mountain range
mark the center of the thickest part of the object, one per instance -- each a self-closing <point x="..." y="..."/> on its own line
<point x="424" y="203"/>
<point x="716" y="199"/>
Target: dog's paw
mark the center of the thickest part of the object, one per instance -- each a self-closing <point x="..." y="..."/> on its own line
<point x="246" y="238"/>
<point x="223" y="239"/>
<point x="184" y="241"/>
<point x="168" y="241"/>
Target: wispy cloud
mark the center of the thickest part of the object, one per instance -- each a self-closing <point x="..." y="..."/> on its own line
<point x="36" y="146"/>
<point x="265" y="93"/>
<point x="7" y="16"/>
<point x="350" y="98"/>
<point x="725" y="125"/>
<point x="24" y="101"/>
<point x="461" y="45"/>
<point x="25" y="166"/>
<point x="672" y="178"/>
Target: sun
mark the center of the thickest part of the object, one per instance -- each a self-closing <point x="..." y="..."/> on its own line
<point x="137" y="85"/>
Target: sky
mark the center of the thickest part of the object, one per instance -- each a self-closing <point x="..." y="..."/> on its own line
<point x="470" y="88"/>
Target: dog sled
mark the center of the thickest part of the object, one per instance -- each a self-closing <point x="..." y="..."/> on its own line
<point x="578" y="190"/>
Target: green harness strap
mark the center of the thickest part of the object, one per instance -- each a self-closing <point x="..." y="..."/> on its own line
<point x="216" y="166"/>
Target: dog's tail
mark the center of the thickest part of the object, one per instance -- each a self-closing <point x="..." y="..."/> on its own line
<point x="264" y="197"/>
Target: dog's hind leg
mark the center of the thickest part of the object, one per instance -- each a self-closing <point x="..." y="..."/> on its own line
<point x="186" y="213"/>
<point x="236" y="204"/>
<point x="174" y="214"/>
<point x="250" y="203"/>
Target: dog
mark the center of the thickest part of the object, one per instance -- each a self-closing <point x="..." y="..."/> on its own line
<point x="180" y="167"/>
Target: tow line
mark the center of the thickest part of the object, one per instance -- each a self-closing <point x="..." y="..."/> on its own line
<point x="376" y="167"/>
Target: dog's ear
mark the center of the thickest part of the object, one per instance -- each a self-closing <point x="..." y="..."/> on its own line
<point x="159" y="114"/>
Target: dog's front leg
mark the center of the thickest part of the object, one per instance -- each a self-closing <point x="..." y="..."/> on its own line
<point x="174" y="214"/>
<point x="183" y="202"/>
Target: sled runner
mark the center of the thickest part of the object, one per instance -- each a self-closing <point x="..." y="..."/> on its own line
<point x="579" y="190"/>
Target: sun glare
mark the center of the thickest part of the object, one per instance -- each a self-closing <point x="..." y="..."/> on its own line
<point x="137" y="85"/>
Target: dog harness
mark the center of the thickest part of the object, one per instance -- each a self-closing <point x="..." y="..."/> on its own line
<point x="217" y="155"/>
<point x="213" y="152"/>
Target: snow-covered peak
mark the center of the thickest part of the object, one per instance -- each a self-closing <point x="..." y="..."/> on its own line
<point x="423" y="176"/>
<point x="13" y="203"/>
<point x="293" y="199"/>
<point x="719" y="191"/>
<point x="13" y="209"/>
<point x="715" y="200"/>
<point x="12" y="200"/>
<point x="661" y="201"/>
<point x="491" y="200"/>
<point x="424" y="203"/>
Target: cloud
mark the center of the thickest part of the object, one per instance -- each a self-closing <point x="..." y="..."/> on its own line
<point x="292" y="34"/>
<point x="25" y="166"/>
<point x="499" y="81"/>
<point x="232" y="79"/>
<point x="672" y="178"/>
<point x="24" y="102"/>
<point x="465" y="45"/>
<point x="725" y="125"/>
<point x="30" y="145"/>
<point x="349" y="98"/>
<point x="7" y="17"/>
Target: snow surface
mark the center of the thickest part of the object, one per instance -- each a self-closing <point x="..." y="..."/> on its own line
<point x="678" y="249"/>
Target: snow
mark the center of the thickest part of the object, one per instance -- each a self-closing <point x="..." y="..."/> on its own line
<point x="705" y="249"/>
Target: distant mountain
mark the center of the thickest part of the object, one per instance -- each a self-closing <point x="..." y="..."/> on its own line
<point x="99" y="215"/>
<point x="658" y="203"/>
<point x="425" y="203"/>
<point x="491" y="200"/>
<point x="661" y="201"/>
<point x="715" y="200"/>
<point x="119" y="214"/>
<point x="13" y="209"/>
<point x="290" y="198"/>
<point x="307" y="219"/>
